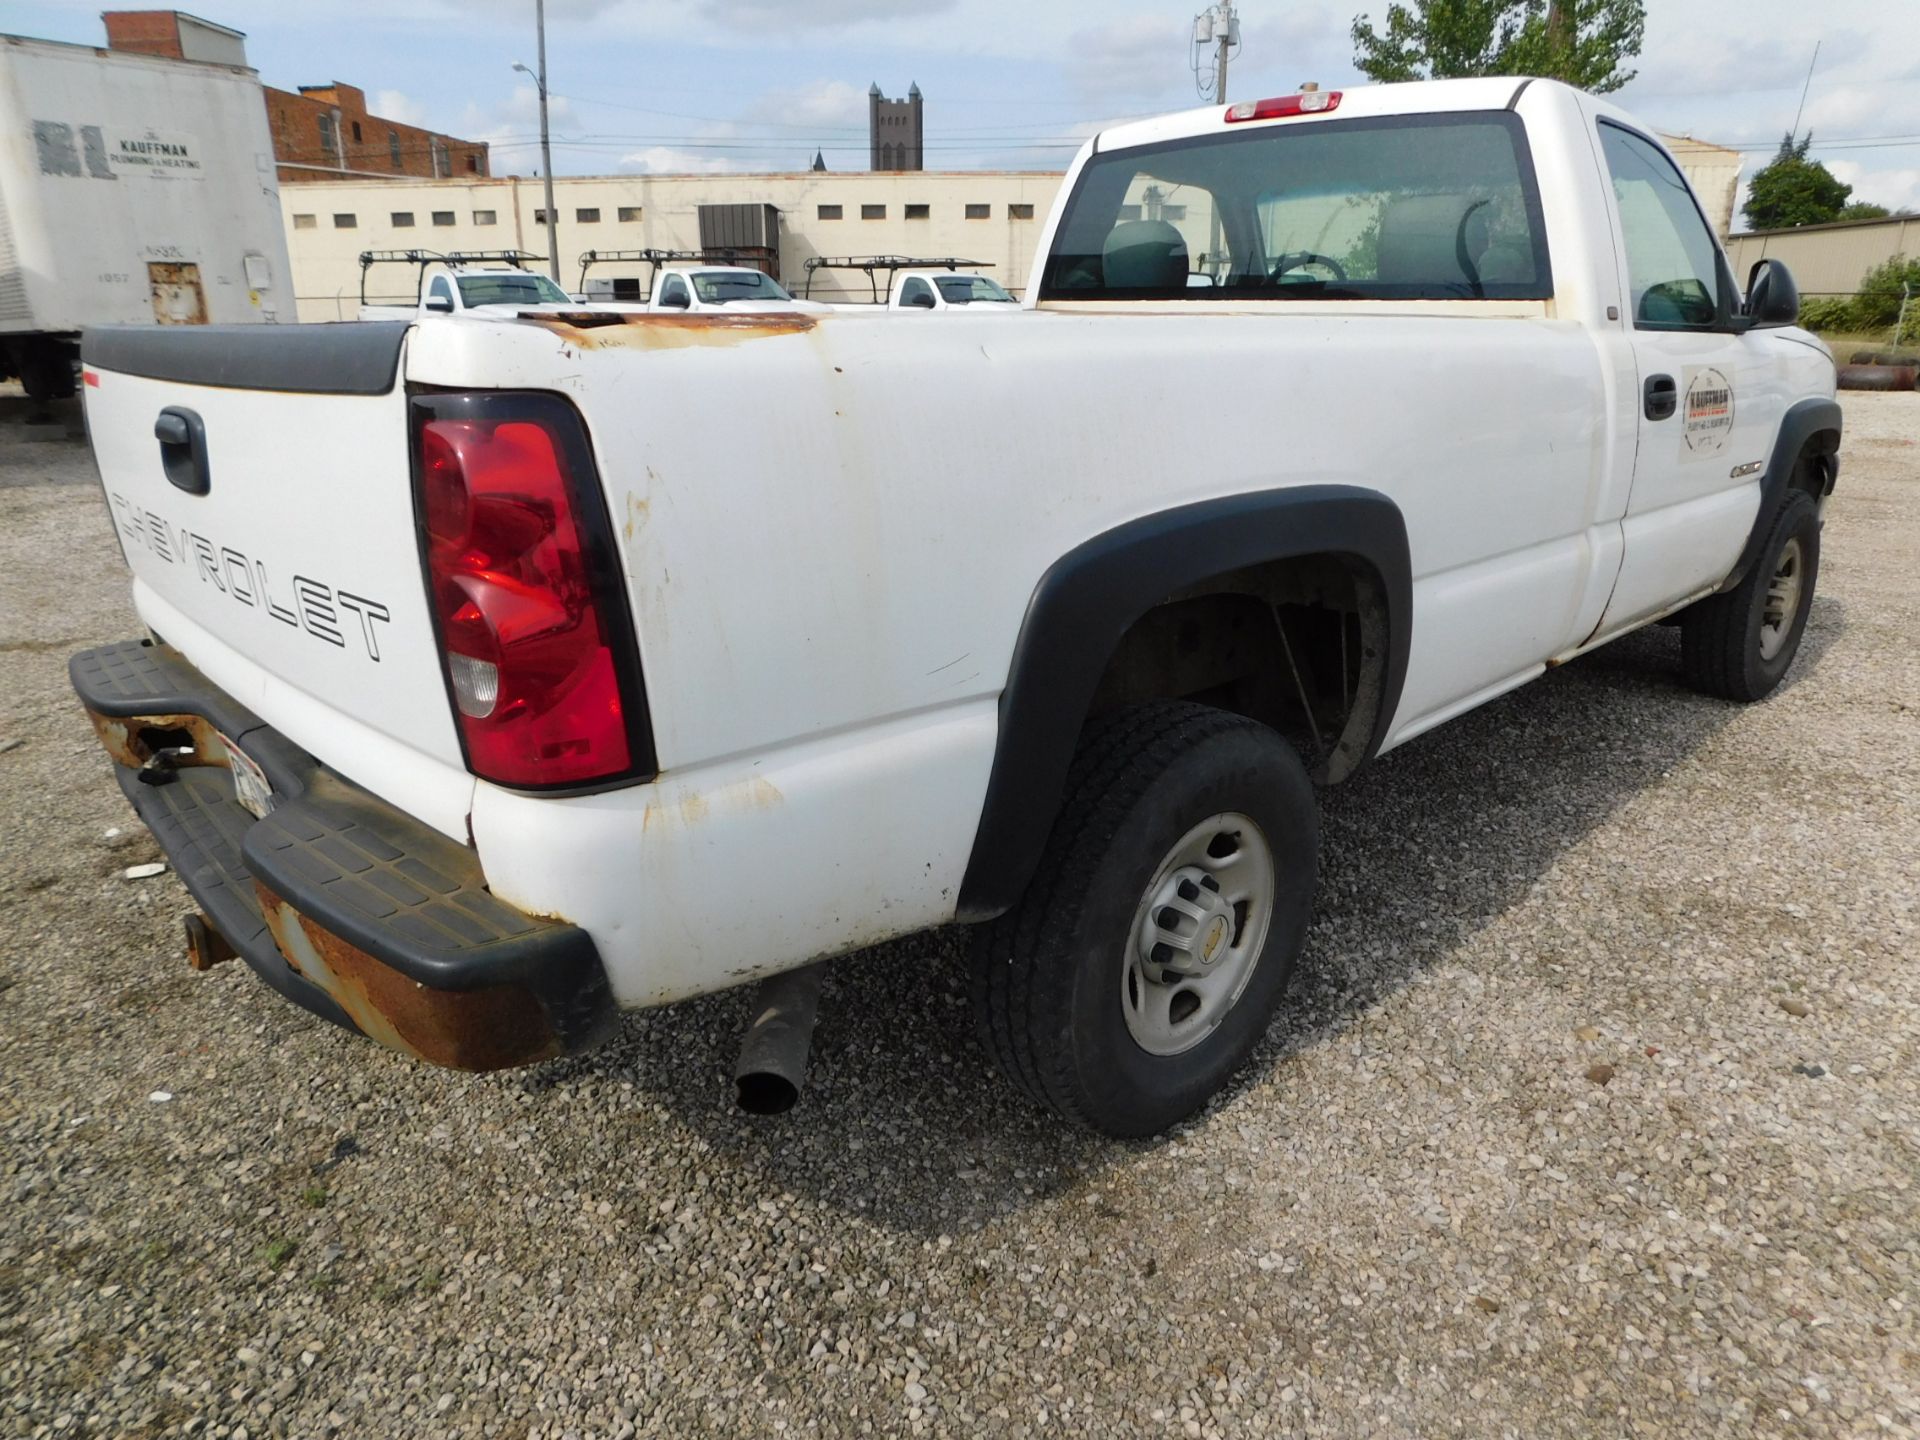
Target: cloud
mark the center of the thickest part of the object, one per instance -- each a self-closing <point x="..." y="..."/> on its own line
<point x="813" y="14"/>
<point x="667" y="160"/>
<point x="1897" y="189"/>
<point x="397" y="105"/>
<point x="1140" y="54"/>
<point x="827" y="104"/>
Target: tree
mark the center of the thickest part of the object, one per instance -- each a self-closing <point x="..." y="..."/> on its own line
<point x="1583" y="42"/>
<point x="1792" y="190"/>
<point x="1864" y="210"/>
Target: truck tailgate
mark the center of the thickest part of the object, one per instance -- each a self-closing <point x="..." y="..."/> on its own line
<point x="272" y="537"/>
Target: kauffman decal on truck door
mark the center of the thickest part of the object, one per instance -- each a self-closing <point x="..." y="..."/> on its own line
<point x="1709" y="410"/>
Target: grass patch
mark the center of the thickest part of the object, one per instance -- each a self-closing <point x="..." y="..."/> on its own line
<point x="313" y="1197"/>
<point x="279" y="1252"/>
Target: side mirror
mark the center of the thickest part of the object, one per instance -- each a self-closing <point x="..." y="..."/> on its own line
<point x="1772" y="297"/>
<point x="439" y="304"/>
<point x="922" y="301"/>
<point x="676" y="301"/>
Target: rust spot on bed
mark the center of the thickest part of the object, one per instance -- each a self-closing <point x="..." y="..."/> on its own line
<point x="601" y="330"/>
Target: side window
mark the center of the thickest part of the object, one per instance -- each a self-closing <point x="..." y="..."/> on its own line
<point x="440" y="290"/>
<point x="1673" y="265"/>
<point x="915" y="292"/>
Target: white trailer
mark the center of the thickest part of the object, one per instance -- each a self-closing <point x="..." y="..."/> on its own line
<point x="133" y="190"/>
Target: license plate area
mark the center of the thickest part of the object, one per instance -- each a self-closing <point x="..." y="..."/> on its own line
<point x="250" y="785"/>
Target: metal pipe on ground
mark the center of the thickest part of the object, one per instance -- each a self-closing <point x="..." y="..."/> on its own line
<point x="773" y="1056"/>
<point x="1878" y="377"/>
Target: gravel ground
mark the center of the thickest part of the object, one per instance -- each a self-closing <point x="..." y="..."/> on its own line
<point x="1595" y="1112"/>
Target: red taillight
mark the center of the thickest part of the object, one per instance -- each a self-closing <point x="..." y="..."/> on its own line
<point x="529" y="647"/>
<point x="1307" y="102"/>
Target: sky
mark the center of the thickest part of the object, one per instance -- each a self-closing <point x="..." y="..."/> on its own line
<point x="717" y="85"/>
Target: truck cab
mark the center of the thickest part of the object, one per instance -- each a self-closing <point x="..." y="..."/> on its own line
<point x="486" y="284"/>
<point x="946" y="290"/>
<point x="734" y="289"/>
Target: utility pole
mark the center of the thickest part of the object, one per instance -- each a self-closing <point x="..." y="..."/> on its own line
<point x="1221" y="54"/>
<point x="1216" y="35"/>
<point x="546" y="145"/>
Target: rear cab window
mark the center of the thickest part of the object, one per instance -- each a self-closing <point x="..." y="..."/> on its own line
<point x="1404" y="207"/>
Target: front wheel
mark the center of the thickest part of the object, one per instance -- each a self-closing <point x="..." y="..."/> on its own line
<point x="1148" y="954"/>
<point x="1738" y="645"/>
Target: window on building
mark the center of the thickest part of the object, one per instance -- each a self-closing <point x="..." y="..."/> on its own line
<point x="1128" y="212"/>
<point x="979" y="212"/>
<point x="829" y="212"/>
<point x="587" y="215"/>
<point x="629" y="214"/>
<point x="1173" y="214"/>
<point x="873" y="212"/>
<point x="485" y="217"/>
<point x="539" y="217"/>
<point x="329" y="136"/>
<point x="1019" y="212"/>
<point x="402" y="219"/>
<point x="346" y="222"/>
<point x="443" y="217"/>
<point x="393" y="147"/>
<point x="917" y="212"/>
<point x="473" y="164"/>
<point x="437" y="150"/>
<point x="356" y="132"/>
<point x="304" y="222"/>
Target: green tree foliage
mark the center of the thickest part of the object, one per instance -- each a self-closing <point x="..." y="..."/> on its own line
<point x="1864" y="210"/>
<point x="1792" y="190"/>
<point x="1583" y="42"/>
<point x="1877" y="305"/>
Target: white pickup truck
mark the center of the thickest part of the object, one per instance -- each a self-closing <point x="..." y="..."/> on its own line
<point x="501" y="676"/>
<point x="942" y="291"/>
<point x="709" y="289"/>
<point x="493" y="284"/>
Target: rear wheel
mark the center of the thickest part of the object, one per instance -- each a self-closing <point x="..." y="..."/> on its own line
<point x="1147" y="956"/>
<point x="1738" y="645"/>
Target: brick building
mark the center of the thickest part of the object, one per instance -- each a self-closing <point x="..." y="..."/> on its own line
<point x="329" y="128"/>
<point x="320" y="132"/>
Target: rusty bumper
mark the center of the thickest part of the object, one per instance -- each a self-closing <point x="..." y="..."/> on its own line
<point x="337" y="900"/>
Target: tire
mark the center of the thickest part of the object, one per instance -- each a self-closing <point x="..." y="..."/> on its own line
<point x="1064" y="984"/>
<point x="1738" y="646"/>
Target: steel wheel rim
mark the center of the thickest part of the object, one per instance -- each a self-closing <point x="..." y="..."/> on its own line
<point x="1783" y="599"/>
<point x="1197" y="934"/>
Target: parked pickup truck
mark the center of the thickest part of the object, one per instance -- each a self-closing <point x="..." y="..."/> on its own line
<point x="738" y="289"/>
<point x="493" y="284"/>
<point x="502" y="676"/>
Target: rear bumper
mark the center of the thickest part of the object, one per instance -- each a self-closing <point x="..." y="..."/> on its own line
<point x="343" y="904"/>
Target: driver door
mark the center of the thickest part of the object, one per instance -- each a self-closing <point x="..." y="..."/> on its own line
<point x="1710" y="393"/>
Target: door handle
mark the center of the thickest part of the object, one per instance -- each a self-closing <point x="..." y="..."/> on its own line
<point x="183" y="449"/>
<point x="1662" y="397"/>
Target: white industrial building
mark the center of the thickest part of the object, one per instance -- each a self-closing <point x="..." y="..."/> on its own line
<point x="991" y="216"/>
<point x="988" y="216"/>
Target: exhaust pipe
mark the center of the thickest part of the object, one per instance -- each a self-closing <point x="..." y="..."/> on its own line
<point x="773" y="1056"/>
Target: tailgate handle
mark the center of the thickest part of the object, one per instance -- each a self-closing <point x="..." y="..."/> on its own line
<point x="183" y="449"/>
